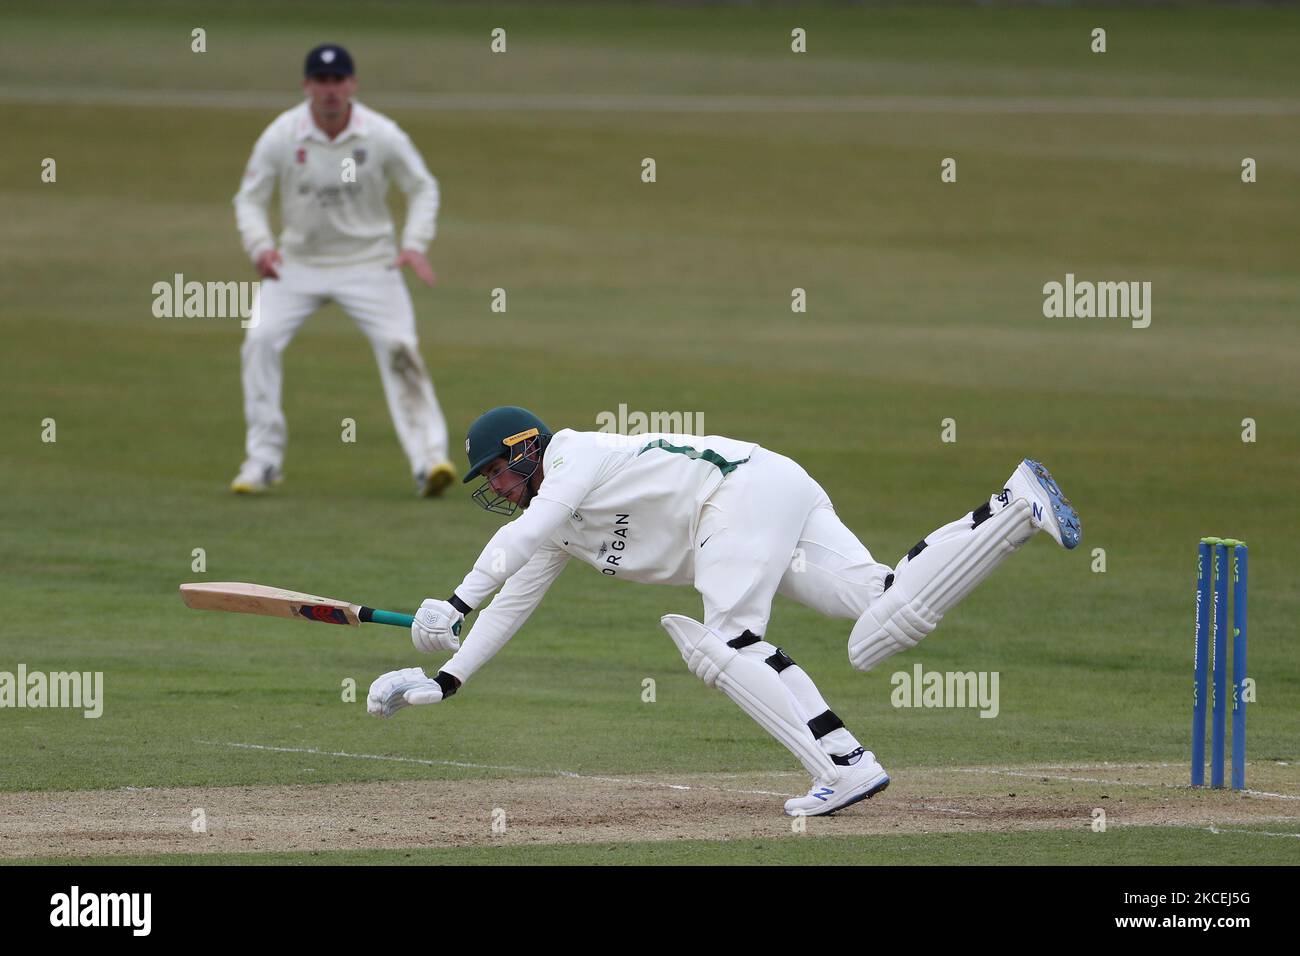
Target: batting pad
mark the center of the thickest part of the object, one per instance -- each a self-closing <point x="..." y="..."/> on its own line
<point x="929" y="585"/>
<point x="754" y="686"/>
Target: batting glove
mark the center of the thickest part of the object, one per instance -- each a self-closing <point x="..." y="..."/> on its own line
<point x="392" y="691"/>
<point x="436" y="627"/>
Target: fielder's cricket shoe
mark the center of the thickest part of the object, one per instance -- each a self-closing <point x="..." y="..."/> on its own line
<point x="1049" y="509"/>
<point x="254" y="478"/>
<point x="434" y="481"/>
<point x="863" y="780"/>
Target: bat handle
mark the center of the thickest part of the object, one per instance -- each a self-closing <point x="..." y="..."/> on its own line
<point x="372" y="616"/>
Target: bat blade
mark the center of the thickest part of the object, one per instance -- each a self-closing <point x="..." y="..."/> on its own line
<point x="243" y="598"/>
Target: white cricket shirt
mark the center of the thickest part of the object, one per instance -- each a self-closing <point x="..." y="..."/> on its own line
<point x="626" y="505"/>
<point x="332" y="191"/>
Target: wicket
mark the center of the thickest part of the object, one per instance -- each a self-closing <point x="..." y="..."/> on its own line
<point x="1210" y="654"/>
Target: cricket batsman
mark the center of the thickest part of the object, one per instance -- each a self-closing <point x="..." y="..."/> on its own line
<point x="742" y="524"/>
<point x="333" y="160"/>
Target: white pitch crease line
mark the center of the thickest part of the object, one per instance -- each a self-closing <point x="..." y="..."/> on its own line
<point x="533" y="771"/>
<point x="675" y="103"/>
<point x="1104" y="765"/>
<point x="1277" y="796"/>
<point x="1036" y="775"/>
<point x="1267" y="833"/>
<point x="1118" y="783"/>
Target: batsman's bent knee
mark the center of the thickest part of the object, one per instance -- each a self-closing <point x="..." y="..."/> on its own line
<point x="891" y="625"/>
<point x="751" y="678"/>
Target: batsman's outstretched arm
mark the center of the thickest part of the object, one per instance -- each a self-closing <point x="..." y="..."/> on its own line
<point x="499" y="621"/>
<point x="513" y="546"/>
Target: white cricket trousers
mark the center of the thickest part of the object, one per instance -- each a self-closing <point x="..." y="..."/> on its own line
<point x="376" y="298"/>
<point x="769" y="528"/>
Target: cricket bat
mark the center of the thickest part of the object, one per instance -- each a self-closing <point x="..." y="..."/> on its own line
<point x="277" y="602"/>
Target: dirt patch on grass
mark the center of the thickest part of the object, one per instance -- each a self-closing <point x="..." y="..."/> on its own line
<point x="580" y="809"/>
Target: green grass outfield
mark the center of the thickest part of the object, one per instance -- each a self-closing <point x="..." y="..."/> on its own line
<point x="925" y="303"/>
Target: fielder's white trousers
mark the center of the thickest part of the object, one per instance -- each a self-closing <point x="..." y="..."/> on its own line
<point x="768" y="529"/>
<point x="376" y="298"/>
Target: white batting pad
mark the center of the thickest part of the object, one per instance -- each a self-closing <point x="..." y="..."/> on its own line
<point x="755" y="687"/>
<point x="930" y="584"/>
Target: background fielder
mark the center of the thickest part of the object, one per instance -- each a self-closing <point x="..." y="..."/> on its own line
<point x="742" y="524"/>
<point x="333" y="159"/>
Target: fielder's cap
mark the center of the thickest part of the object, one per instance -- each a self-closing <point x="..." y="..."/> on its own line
<point x="328" y="59"/>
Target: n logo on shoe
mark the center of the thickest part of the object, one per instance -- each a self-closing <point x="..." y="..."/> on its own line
<point x="824" y="794"/>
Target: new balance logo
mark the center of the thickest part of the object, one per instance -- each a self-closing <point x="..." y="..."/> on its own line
<point x="1038" y="512"/>
<point x="824" y="794"/>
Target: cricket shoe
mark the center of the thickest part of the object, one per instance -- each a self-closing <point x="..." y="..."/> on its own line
<point x="434" y="481"/>
<point x="254" y="478"/>
<point x="1049" y="509"/>
<point x="863" y="780"/>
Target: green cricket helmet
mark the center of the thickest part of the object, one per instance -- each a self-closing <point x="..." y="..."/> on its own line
<point x="508" y="432"/>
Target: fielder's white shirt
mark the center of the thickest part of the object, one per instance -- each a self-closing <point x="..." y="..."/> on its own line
<point x="626" y="505"/>
<point x="329" y="220"/>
